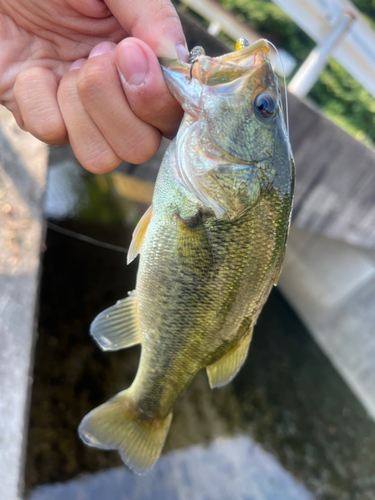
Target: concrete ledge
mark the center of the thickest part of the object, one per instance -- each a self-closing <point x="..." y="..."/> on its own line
<point x="23" y="167"/>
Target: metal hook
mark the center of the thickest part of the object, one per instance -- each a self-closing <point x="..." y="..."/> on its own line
<point x="193" y="57"/>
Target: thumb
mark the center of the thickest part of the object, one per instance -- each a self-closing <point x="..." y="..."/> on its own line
<point x="153" y="21"/>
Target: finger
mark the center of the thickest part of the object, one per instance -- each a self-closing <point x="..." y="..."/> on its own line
<point x="13" y="107"/>
<point x="145" y="87"/>
<point x="35" y="91"/>
<point x="90" y="147"/>
<point x="100" y="91"/>
<point x="155" y="22"/>
<point x="77" y="64"/>
<point x="102" y="48"/>
<point x="90" y="8"/>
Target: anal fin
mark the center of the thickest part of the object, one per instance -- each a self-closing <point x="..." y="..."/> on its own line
<point x="224" y="370"/>
<point x="117" y="327"/>
<point x="139" y="235"/>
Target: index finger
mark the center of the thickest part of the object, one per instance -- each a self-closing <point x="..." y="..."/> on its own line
<point x="155" y="22"/>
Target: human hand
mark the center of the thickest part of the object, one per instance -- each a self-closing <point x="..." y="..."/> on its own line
<point x="66" y="78"/>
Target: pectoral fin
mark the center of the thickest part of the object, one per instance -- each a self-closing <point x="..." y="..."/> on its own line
<point x="117" y="327"/>
<point x="139" y="235"/>
<point x="194" y="248"/>
<point x="224" y="370"/>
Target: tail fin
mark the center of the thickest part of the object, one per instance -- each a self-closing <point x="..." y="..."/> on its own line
<point x="117" y="425"/>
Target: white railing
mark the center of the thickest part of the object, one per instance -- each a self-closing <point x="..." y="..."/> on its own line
<point x="337" y="26"/>
<point x="355" y="50"/>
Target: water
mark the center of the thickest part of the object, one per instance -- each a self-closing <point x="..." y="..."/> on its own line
<point x="287" y="427"/>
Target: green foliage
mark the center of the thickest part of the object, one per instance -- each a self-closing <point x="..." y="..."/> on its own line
<point x="367" y="8"/>
<point x="346" y="102"/>
<point x="271" y="22"/>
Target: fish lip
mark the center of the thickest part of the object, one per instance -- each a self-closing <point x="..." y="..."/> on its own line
<point x="174" y="64"/>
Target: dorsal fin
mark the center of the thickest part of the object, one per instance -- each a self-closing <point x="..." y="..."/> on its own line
<point x="139" y="235"/>
<point x="117" y="327"/>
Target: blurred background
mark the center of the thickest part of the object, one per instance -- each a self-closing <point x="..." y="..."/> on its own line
<point x="298" y="421"/>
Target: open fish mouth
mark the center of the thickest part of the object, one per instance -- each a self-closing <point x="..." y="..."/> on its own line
<point x="212" y="71"/>
<point x="239" y="57"/>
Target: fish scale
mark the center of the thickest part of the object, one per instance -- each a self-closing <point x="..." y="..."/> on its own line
<point x="211" y="247"/>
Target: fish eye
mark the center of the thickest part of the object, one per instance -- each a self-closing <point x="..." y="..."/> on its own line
<point x="265" y="104"/>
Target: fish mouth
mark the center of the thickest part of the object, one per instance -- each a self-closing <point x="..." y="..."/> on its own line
<point x="212" y="71"/>
<point x="261" y="46"/>
<point x="248" y="57"/>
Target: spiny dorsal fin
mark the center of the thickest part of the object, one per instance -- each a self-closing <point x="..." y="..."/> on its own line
<point x="225" y="369"/>
<point x="139" y="235"/>
<point x="117" y="327"/>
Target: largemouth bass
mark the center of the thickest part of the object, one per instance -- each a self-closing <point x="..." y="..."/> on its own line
<point x="212" y="246"/>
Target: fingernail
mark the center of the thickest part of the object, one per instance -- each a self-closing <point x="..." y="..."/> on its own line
<point x="167" y="48"/>
<point x="182" y="52"/>
<point x="133" y="63"/>
<point x="77" y="64"/>
<point x="102" y="48"/>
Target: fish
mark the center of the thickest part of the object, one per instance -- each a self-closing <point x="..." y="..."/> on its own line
<point x="211" y="246"/>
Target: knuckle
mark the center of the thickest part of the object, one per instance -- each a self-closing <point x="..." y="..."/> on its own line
<point x="157" y="109"/>
<point x="143" y="148"/>
<point x="24" y="78"/>
<point x="48" y="126"/>
<point x="87" y="82"/>
<point x="99" y="161"/>
<point x="91" y="77"/>
<point x="148" y="104"/>
<point x="67" y="87"/>
<point x="165" y="10"/>
<point x="161" y="112"/>
<point x="34" y="91"/>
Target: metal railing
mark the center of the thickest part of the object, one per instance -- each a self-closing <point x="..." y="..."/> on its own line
<point x="337" y="26"/>
<point x="354" y="48"/>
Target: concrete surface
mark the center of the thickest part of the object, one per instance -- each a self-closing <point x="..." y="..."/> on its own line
<point x="23" y="164"/>
<point x="227" y="469"/>
<point x="331" y="285"/>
